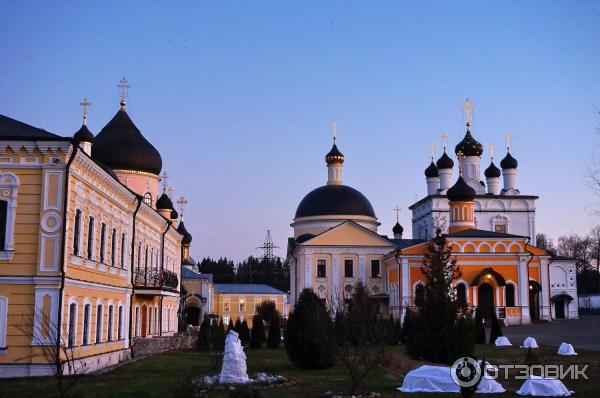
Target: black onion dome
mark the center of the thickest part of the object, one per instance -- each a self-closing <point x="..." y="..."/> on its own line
<point x="334" y="155"/>
<point x="460" y="191"/>
<point x="397" y="230"/>
<point x="334" y="200"/>
<point x="432" y="171"/>
<point x="164" y="202"/>
<point x="492" y="171"/>
<point x="509" y="162"/>
<point x="84" y="134"/>
<point x="122" y="146"/>
<point x="469" y="146"/>
<point x="187" y="238"/>
<point x="445" y="162"/>
<point x="174" y="214"/>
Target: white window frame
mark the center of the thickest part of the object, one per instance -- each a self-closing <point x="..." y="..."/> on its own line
<point x="10" y="184"/>
<point x="3" y="323"/>
<point x="87" y="301"/>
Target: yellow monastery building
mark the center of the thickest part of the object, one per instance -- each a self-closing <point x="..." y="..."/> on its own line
<point x="90" y="251"/>
<point x="336" y="242"/>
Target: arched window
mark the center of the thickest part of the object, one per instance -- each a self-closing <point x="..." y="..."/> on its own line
<point x="77" y="232"/>
<point x="113" y="247"/>
<point x="123" y="246"/>
<point x="137" y="321"/>
<point x="90" y="239"/>
<point x="120" y="324"/>
<point x="419" y="294"/>
<point x="148" y="198"/>
<point x="99" y="324"/>
<point x="86" y="324"/>
<point x="72" y="324"/>
<point x="110" y="324"/>
<point x="155" y="319"/>
<point x="150" y="328"/>
<point x="103" y="243"/>
<point x="510" y="294"/>
<point x="461" y="294"/>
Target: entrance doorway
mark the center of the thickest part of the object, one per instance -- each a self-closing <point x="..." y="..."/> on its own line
<point x="192" y="315"/>
<point x="485" y="300"/>
<point x="559" y="309"/>
<point x="534" y="300"/>
<point x="144" y="321"/>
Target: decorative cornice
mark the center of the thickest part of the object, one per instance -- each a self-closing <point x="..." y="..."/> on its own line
<point x="143" y="173"/>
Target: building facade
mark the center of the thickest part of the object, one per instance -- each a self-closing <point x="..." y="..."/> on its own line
<point x="491" y="232"/>
<point x="89" y="256"/>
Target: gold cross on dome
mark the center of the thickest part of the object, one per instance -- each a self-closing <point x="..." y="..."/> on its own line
<point x="170" y="191"/>
<point x="432" y="150"/>
<point x="84" y="104"/>
<point x="334" y="128"/>
<point x="182" y="202"/>
<point x="468" y="110"/>
<point x="164" y="177"/>
<point x="492" y="150"/>
<point x="507" y="138"/>
<point x="444" y="137"/>
<point x="397" y="210"/>
<point x="123" y="87"/>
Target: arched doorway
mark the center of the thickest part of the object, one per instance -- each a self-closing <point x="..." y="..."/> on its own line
<point x="144" y="321"/>
<point x="485" y="300"/>
<point x="534" y="300"/>
<point x="192" y="315"/>
<point x="559" y="309"/>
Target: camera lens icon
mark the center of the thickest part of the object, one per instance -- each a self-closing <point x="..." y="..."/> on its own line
<point x="465" y="372"/>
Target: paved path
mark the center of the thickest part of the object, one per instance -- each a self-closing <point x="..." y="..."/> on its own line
<point x="582" y="333"/>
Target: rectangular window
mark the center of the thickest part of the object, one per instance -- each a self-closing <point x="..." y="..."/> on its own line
<point x="123" y="245"/>
<point x="3" y="218"/>
<point x="150" y="320"/>
<point x="113" y="247"/>
<point x="139" y="255"/>
<point x="348" y="268"/>
<point x="321" y="269"/>
<point x="90" y="239"/>
<point x="99" y="324"/>
<point x="242" y="305"/>
<point x="102" y="243"/>
<point x="226" y="320"/>
<point x="375" y="269"/>
<point x="137" y="321"/>
<point x="86" y="324"/>
<point x="76" y="232"/>
<point x="120" y="324"/>
<point x="110" y="323"/>
<point x="226" y="305"/>
<point x="500" y="228"/>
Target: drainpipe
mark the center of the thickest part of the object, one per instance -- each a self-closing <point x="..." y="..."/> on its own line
<point x="162" y="266"/>
<point x="137" y="208"/>
<point x="63" y="253"/>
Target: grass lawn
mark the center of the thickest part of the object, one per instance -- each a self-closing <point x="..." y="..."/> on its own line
<point x="159" y="376"/>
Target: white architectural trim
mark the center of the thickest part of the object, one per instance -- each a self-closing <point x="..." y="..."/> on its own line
<point x="3" y="323"/>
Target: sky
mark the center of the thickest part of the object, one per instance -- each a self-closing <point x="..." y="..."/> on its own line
<point x="239" y="97"/>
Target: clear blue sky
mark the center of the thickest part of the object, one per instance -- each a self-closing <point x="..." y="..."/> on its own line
<point x="238" y="97"/>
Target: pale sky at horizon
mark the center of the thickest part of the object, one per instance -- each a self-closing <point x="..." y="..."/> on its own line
<point x="239" y="96"/>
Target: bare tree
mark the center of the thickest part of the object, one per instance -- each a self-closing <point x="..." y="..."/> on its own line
<point x="55" y="346"/>
<point x="361" y="336"/>
<point x="576" y="247"/>
<point x="545" y="242"/>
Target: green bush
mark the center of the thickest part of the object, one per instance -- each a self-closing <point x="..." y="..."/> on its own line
<point x="257" y="338"/>
<point x="274" y="338"/>
<point x="310" y="335"/>
<point x="203" y="343"/>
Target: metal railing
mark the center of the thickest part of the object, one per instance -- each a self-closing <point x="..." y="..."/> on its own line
<point x="155" y="278"/>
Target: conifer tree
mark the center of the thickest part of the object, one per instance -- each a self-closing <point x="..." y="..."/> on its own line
<point x="257" y="338"/>
<point x="309" y="335"/>
<point x="230" y="326"/>
<point x="441" y="330"/>
<point x="274" y="338"/>
<point x="238" y="326"/>
<point x="203" y="343"/>
<point x="496" y="330"/>
<point x="480" y="327"/>
<point x="245" y="333"/>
